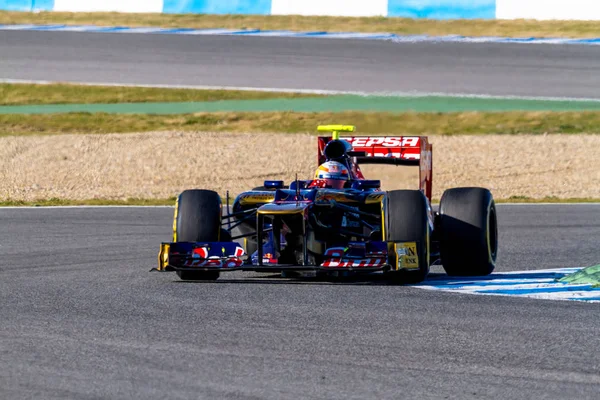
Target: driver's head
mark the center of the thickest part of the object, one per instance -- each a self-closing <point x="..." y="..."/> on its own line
<point x="332" y="174"/>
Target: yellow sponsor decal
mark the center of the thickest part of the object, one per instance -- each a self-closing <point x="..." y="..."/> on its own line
<point x="374" y="198"/>
<point x="406" y="255"/>
<point x="256" y="198"/>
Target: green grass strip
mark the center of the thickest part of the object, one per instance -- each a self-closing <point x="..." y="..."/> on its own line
<point x="24" y="94"/>
<point x="320" y="104"/>
<point x="406" y="26"/>
<point x="516" y="122"/>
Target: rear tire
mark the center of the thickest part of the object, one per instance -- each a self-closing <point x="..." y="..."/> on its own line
<point x="406" y="220"/>
<point x="198" y="219"/>
<point x="469" y="232"/>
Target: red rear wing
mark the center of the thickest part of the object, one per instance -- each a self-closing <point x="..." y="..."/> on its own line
<point x="409" y="148"/>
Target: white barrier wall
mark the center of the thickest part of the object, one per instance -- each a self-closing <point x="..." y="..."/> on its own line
<point x="548" y="9"/>
<point x="139" y="6"/>
<point x="342" y="8"/>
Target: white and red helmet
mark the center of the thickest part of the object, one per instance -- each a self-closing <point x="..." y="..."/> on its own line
<point x="332" y="174"/>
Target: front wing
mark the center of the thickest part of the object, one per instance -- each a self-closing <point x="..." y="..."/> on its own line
<point x="230" y="256"/>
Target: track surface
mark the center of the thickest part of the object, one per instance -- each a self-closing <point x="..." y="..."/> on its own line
<point x="351" y="65"/>
<point x="83" y="318"/>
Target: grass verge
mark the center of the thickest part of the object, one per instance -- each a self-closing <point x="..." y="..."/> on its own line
<point x="291" y="122"/>
<point x="510" y="28"/>
<point x="26" y="94"/>
<point x="171" y="201"/>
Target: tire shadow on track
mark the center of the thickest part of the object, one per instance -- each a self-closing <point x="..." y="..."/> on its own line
<point x="278" y="280"/>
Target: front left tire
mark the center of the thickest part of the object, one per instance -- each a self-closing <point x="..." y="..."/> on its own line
<point x="469" y="231"/>
<point x="198" y="219"/>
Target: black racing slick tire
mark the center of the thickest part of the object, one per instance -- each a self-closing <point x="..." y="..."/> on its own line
<point x="469" y="232"/>
<point x="198" y="219"/>
<point x="406" y="220"/>
<point x="197" y="216"/>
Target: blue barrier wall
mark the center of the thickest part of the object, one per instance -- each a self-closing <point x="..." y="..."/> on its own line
<point x="26" y="5"/>
<point x="218" y="6"/>
<point x="442" y="9"/>
<point x="15" y="5"/>
<point x="42" y="5"/>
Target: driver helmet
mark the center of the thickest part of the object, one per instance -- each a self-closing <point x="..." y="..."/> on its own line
<point x="332" y="174"/>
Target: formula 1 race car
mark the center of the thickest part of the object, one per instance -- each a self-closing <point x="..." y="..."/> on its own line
<point x="338" y="223"/>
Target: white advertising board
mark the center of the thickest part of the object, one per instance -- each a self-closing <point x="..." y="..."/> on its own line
<point x="342" y="8"/>
<point x="133" y="6"/>
<point x="548" y="9"/>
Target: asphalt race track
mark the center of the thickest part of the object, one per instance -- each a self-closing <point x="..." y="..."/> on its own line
<point x="83" y="318"/>
<point x="350" y="65"/>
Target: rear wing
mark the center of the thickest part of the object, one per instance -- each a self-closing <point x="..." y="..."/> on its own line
<point x="391" y="150"/>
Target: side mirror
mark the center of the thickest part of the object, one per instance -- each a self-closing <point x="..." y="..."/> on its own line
<point x="366" y="184"/>
<point x="273" y="184"/>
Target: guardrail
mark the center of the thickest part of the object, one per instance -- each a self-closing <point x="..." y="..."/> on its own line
<point x="435" y="9"/>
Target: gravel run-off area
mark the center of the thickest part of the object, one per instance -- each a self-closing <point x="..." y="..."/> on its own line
<point x="162" y="164"/>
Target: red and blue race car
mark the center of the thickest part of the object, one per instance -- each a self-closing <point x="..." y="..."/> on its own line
<point x="338" y="222"/>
